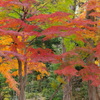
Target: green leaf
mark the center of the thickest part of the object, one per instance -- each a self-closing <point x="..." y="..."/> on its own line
<point x="70" y="42"/>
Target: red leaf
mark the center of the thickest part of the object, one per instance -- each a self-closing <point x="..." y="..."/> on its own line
<point x="97" y="50"/>
<point x="44" y="55"/>
<point x="68" y="70"/>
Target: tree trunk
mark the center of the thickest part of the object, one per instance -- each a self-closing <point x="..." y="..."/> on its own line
<point x="67" y="90"/>
<point x="93" y="92"/>
<point x="22" y="93"/>
<point x="1" y="97"/>
<point x="22" y="80"/>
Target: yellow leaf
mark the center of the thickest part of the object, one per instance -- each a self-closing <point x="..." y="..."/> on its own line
<point x="38" y="77"/>
<point x="0" y="59"/>
<point x="97" y="62"/>
<point x="59" y="79"/>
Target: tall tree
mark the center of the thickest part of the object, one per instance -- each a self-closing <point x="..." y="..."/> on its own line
<point x="16" y="50"/>
<point x="93" y="91"/>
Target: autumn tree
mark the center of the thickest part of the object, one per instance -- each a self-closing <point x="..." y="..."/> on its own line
<point x="16" y="50"/>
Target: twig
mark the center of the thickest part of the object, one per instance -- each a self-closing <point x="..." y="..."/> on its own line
<point x="52" y="96"/>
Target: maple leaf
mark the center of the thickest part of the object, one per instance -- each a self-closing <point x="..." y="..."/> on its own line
<point x="67" y="71"/>
<point x="5" y="68"/>
<point x="97" y="50"/>
<point x="91" y="72"/>
<point x="95" y="14"/>
<point x="41" y="55"/>
<point x="48" y="17"/>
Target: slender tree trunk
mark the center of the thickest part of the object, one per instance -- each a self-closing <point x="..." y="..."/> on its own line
<point x="22" y="80"/>
<point x="22" y="93"/>
<point x="52" y="96"/>
<point x="94" y="92"/>
<point x="1" y="97"/>
<point x="67" y="90"/>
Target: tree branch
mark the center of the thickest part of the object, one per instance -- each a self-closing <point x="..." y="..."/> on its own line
<point x="55" y="91"/>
